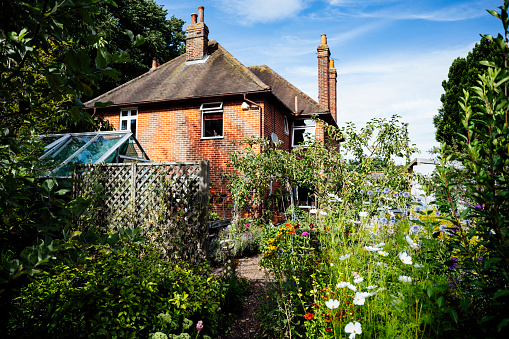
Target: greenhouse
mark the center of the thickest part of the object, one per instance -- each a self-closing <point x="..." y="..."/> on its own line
<point x="63" y="150"/>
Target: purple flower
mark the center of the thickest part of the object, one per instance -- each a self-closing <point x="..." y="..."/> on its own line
<point x="479" y="207"/>
<point x="452" y="284"/>
<point x="479" y="259"/>
<point x="453" y="263"/>
<point x="305" y="234"/>
<point x="199" y="326"/>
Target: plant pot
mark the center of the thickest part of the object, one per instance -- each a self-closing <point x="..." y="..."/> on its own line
<point x="275" y="219"/>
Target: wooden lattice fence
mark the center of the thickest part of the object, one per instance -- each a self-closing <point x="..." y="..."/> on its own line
<point x="169" y="201"/>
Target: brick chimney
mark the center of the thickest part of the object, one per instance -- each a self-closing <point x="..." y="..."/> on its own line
<point x="197" y="41"/>
<point x="323" y="73"/>
<point x="332" y="89"/>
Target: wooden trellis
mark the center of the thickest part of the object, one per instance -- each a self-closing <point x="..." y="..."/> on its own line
<point x="168" y="200"/>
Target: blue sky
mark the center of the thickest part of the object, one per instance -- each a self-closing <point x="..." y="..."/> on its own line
<point x="391" y="55"/>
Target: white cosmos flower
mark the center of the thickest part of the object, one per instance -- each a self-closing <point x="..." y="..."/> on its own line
<point x="379" y="245"/>
<point x="323" y="212"/>
<point x="405" y="258"/>
<point x="404" y="278"/>
<point x="383" y="253"/>
<point x="353" y="329"/>
<point x="344" y="257"/>
<point x="371" y="248"/>
<point x="418" y="266"/>
<point x="363" y="214"/>
<point x="351" y="287"/>
<point x="313" y="211"/>
<point x="381" y="264"/>
<point x="412" y="243"/>
<point x="359" y="279"/>
<point x="342" y="284"/>
<point x="359" y="299"/>
<point x="371" y="287"/>
<point x="332" y="303"/>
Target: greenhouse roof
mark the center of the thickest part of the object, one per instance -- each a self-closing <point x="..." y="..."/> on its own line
<point x="62" y="150"/>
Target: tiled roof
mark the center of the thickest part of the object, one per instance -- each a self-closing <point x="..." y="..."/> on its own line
<point x="286" y="92"/>
<point x="220" y="74"/>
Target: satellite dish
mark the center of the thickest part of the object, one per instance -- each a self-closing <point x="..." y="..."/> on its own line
<point x="274" y="137"/>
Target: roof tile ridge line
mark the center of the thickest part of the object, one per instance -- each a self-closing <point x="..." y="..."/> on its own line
<point x="244" y="68"/>
<point x="289" y="84"/>
<point x="96" y="99"/>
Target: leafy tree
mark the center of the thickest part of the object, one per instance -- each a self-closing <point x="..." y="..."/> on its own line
<point x="463" y="75"/>
<point x="164" y="38"/>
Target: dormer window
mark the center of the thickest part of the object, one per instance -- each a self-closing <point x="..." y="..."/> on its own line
<point x="211" y="120"/>
<point x="304" y="132"/>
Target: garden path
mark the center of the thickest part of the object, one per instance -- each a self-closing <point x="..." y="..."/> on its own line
<point x="246" y="326"/>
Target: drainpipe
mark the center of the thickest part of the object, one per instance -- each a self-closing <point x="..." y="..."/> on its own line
<point x="260" y="115"/>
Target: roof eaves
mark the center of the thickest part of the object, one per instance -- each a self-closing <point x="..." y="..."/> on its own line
<point x="183" y="99"/>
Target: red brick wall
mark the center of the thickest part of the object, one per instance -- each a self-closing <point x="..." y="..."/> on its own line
<point x="173" y="133"/>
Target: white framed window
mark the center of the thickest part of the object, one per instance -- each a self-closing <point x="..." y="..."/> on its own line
<point x="304" y="131"/>
<point x="212" y="120"/>
<point x="304" y="197"/>
<point x="129" y="120"/>
<point x="287" y="130"/>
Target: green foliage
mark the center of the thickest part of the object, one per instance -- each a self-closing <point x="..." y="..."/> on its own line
<point x="482" y="249"/>
<point x="164" y="38"/>
<point x="463" y="75"/>
<point x="44" y="73"/>
<point x="321" y="166"/>
<point x="118" y="293"/>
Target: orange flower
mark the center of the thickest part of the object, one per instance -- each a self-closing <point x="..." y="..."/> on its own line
<point x="291" y="231"/>
<point x="308" y="316"/>
<point x="288" y="225"/>
<point x="328" y="329"/>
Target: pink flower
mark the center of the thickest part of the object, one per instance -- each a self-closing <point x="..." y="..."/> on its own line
<point x="247" y="225"/>
<point x="199" y="326"/>
<point x="305" y="234"/>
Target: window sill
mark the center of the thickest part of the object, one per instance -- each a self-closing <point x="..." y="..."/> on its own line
<point x="212" y="138"/>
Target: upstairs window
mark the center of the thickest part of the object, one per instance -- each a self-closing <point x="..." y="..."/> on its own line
<point x="304" y="132"/>
<point x="129" y="120"/>
<point x="287" y="130"/>
<point x="211" y="120"/>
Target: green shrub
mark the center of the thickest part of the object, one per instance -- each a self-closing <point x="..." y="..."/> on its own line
<point x="120" y="293"/>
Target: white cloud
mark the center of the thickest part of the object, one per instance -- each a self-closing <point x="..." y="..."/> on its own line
<point x="410" y="10"/>
<point x="410" y="87"/>
<point x="248" y="12"/>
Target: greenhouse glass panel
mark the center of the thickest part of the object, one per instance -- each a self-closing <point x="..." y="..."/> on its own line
<point x="86" y="148"/>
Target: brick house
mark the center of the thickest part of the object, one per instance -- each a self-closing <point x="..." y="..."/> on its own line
<point x="195" y="106"/>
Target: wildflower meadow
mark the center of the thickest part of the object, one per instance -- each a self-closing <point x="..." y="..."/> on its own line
<point x="370" y="260"/>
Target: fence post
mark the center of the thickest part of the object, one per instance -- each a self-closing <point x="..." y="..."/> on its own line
<point x="204" y="195"/>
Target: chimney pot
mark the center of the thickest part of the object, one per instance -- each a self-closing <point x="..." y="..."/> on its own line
<point x="154" y="63"/>
<point x="200" y="13"/>
<point x="331" y="64"/>
<point x="194" y="16"/>
<point x="323" y="39"/>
